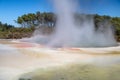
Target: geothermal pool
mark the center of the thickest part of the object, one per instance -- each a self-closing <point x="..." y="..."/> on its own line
<point x="31" y="61"/>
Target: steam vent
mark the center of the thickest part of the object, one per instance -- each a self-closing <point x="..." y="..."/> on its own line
<point x="66" y="40"/>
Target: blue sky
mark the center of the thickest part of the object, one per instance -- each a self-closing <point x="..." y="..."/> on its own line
<point x="11" y="9"/>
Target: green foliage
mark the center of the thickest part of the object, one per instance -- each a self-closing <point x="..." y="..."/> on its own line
<point x="5" y="27"/>
<point x="29" y="22"/>
<point x="11" y="32"/>
<point x="34" y="19"/>
<point x="116" y="22"/>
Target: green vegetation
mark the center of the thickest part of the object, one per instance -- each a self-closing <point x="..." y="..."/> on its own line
<point x="15" y="33"/>
<point x="75" y="72"/>
<point x="32" y="19"/>
<point x="46" y="22"/>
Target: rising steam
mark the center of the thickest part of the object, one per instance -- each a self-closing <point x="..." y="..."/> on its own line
<point x="79" y="34"/>
<point x="70" y="32"/>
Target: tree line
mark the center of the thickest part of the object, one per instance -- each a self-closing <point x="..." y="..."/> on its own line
<point x="49" y="19"/>
<point x="28" y="23"/>
<point x="5" y="27"/>
<point x="35" y="19"/>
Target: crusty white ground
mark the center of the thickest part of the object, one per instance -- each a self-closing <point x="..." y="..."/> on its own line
<point x="15" y="61"/>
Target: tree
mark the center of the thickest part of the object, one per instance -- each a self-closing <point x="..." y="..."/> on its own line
<point x="20" y="21"/>
<point x="116" y="23"/>
<point x="39" y="18"/>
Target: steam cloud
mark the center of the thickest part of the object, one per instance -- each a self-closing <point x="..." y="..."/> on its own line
<point x="70" y="32"/>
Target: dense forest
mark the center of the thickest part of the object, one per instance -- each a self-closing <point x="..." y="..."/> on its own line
<point x="46" y="23"/>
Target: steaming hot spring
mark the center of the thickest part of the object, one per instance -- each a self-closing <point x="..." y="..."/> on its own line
<point x="76" y="50"/>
